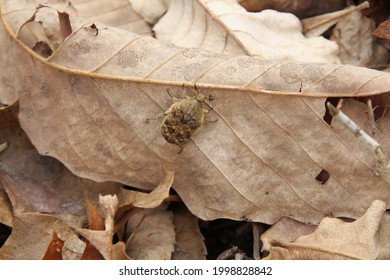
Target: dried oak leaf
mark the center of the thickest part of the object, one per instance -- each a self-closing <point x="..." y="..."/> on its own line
<point x="89" y="105"/>
<point x="336" y="239"/>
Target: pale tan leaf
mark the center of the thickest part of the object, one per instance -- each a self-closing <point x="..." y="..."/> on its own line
<point x="128" y="199"/>
<point x="225" y="27"/>
<point x="384" y="233"/>
<point x="150" y="10"/>
<point x="189" y="240"/>
<point x="35" y="183"/>
<point x="5" y="208"/>
<point x="90" y="104"/>
<point x="285" y="230"/>
<point x="102" y="239"/>
<point x="357" y="46"/>
<point x="157" y="196"/>
<point x="117" y="13"/>
<point x="151" y="235"/>
<point x="119" y="251"/>
<point x="317" y="25"/>
<point x="32" y="234"/>
<point x="336" y="239"/>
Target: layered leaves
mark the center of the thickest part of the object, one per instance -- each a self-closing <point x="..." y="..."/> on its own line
<point x="272" y="152"/>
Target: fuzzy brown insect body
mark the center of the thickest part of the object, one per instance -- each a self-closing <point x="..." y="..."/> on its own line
<point x="183" y="118"/>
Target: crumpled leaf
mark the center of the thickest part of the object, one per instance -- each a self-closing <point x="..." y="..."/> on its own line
<point x="102" y="239"/>
<point x="285" y="230"/>
<point x="95" y="222"/>
<point x="336" y="239"/>
<point x="317" y="25"/>
<point x="157" y="196"/>
<point x="189" y="240"/>
<point x="225" y="27"/>
<point x="32" y="235"/>
<point x="357" y="46"/>
<point x="151" y="235"/>
<point x="89" y="105"/>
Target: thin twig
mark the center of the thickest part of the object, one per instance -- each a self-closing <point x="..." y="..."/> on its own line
<point x="351" y="125"/>
<point x="383" y="165"/>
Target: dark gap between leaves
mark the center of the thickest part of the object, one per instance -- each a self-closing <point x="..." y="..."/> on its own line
<point x="5" y="232"/>
<point x="327" y="116"/>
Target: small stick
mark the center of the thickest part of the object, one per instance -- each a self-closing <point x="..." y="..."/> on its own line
<point x="351" y="125"/>
<point x="383" y="164"/>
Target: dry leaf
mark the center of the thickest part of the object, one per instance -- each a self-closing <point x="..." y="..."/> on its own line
<point x="317" y="25"/>
<point x="54" y="250"/>
<point x="119" y="251"/>
<point x="102" y="239"/>
<point x="150" y="10"/>
<point x="157" y="196"/>
<point x="5" y="208"/>
<point x="384" y="236"/>
<point x="285" y="230"/>
<point x="151" y="235"/>
<point x="336" y="239"/>
<point x="36" y="183"/>
<point x="95" y="222"/>
<point x="357" y="46"/>
<point x="383" y="30"/>
<point x="32" y="236"/>
<point x="116" y="13"/>
<point x="89" y="104"/>
<point x="101" y="231"/>
<point x="189" y="240"/>
<point x="225" y="27"/>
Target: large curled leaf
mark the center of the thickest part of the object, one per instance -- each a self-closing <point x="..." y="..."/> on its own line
<point x="88" y="105"/>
